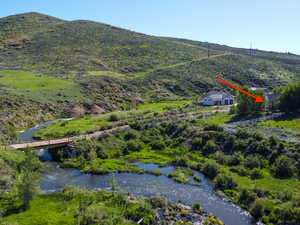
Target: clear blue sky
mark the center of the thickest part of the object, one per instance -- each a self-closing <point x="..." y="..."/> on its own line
<point x="267" y="24"/>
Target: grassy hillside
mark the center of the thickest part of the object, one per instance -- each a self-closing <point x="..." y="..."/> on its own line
<point x="65" y="46"/>
<point x="49" y="65"/>
<point x="286" y="58"/>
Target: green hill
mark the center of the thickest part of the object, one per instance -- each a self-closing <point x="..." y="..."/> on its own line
<point x="88" y="63"/>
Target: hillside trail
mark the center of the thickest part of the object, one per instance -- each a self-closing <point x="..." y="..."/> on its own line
<point x="143" y="74"/>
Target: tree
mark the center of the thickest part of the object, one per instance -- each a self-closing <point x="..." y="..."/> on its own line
<point x="257" y="209"/>
<point x="210" y="169"/>
<point x="224" y="181"/>
<point x="27" y="181"/>
<point x="256" y="174"/>
<point x="27" y="187"/>
<point x="113" y="118"/>
<point x="114" y="184"/>
<point x="197" y="143"/>
<point x="247" y="105"/>
<point x="247" y="197"/>
<point x="290" y="98"/>
<point x="284" y="167"/>
<point x="210" y="147"/>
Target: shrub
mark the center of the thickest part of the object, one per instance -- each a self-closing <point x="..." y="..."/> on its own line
<point x="214" y="127"/>
<point x="210" y="169"/>
<point x="197" y="178"/>
<point x="240" y="170"/>
<point x="159" y="202"/>
<point x="133" y="146"/>
<point x="247" y="197"/>
<point x="242" y="133"/>
<point x="113" y="118"/>
<point x="130" y="135"/>
<point x="221" y="158"/>
<point x="224" y="181"/>
<point x="197" y="143"/>
<point x="284" y="167"/>
<point x="257" y="210"/>
<point x="180" y="161"/>
<point x="253" y="161"/>
<point x="210" y="147"/>
<point x="197" y="207"/>
<point x="157" y="145"/>
<point x="235" y="159"/>
<point x="98" y="215"/>
<point x="256" y="174"/>
<point x="142" y="209"/>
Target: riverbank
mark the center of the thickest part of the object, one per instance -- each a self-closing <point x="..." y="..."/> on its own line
<point x="56" y="178"/>
<point x="102" y="207"/>
<point x="239" y="165"/>
<point x="245" y="166"/>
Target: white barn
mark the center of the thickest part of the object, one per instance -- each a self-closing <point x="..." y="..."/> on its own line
<point x="218" y="98"/>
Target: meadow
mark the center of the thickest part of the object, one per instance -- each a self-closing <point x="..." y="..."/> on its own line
<point x="289" y="123"/>
<point x="93" y="123"/>
<point x="43" y="89"/>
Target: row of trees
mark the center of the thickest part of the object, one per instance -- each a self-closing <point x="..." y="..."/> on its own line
<point x="290" y="98"/>
<point x="289" y="101"/>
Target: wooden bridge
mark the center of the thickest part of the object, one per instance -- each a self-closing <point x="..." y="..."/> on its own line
<point x="64" y="141"/>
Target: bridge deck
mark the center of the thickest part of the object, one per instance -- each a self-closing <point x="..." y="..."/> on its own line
<point x="64" y="141"/>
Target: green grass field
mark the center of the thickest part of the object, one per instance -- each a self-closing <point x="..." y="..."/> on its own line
<point x="40" y="88"/>
<point x="292" y="124"/>
<point x="161" y="107"/>
<point x="93" y="123"/>
<point x="47" y="209"/>
<point x="78" y="126"/>
<point x="217" y="119"/>
<point x="268" y="182"/>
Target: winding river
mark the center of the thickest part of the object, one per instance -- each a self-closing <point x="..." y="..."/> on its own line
<point x="55" y="179"/>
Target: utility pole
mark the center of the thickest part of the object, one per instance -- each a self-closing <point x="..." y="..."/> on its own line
<point x="208" y="50"/>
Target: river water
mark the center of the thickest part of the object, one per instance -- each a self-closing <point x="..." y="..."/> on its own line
<point x="55" y="179"/>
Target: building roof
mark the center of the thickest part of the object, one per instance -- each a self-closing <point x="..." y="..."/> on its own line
<point x="218" y="95"/>
<point x="265" y="90"/>
<point x="273" y="97"/>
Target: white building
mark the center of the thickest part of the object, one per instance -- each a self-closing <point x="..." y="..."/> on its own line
<point x="218" y="98"/>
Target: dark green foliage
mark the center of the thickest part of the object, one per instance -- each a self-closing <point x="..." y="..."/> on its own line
<point x="197" y="207"/>
<point x="284" y="167"/>
<point x="130" y="135"/>
<point x="287" y="215"/>
<point x="224" y="181"/>
<point x="113" y="118"/>
<point x="247" y="197"/>
<point x="236" y="159"/>
<point x="240" y="170"/>
<point x="247" y="105"/>
<point x="210" y="169"/>
<point x="213" y="127"/>
<point x="253" y="161"/>
<point x="157" y="145"/>
<point x="290" y="98"/>
<point x="197" y="178"/>
<point x="257" y="210"/>
<point x="180" y="161"/>
<point x="256" y="174"/>
<point x="27" y="180"/>
<point x="197" y="143"/>
<point x="134" y="146"/>
<point x="210" y="147"/>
